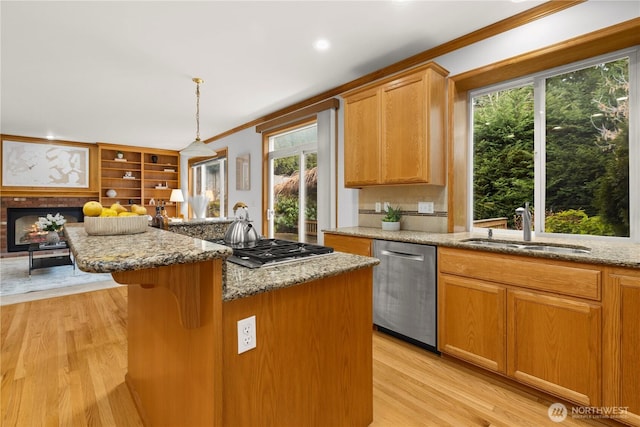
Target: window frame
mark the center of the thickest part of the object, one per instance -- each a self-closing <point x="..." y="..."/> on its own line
<point x="538" y="81"/>
<point x="271" y="154"/>
<point x="221" y="153"/>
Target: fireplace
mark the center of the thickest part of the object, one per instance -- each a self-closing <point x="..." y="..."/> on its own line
<point x="21" y="223"/>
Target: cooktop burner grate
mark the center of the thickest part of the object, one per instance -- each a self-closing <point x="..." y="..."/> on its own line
<point x="274" y="251"/>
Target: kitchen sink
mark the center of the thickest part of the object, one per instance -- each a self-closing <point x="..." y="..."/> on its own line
<point x="559" y="249"/>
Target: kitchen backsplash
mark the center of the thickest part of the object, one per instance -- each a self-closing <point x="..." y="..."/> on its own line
<point x="407" y="197"/>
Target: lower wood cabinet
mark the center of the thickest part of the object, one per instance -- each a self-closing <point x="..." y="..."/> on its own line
<point x="350" y="244"/>
<point x="552" y="342"/>
<point x="622" y="338"/>
<point x="472" y="321"/>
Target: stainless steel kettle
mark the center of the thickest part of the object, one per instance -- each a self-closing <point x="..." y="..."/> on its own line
<point x="241" y="231"/>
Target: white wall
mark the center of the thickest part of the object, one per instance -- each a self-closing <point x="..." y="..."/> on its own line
<point x="572" y="22"/>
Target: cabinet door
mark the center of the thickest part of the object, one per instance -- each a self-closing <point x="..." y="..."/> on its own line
<point x="349" y="244"/>
<point x="471" y="321"/>
<point x="362" y="139"/>
<point x="403" y="146"/>
<point x="622" y="344"/>
<point x="554" y="344"/>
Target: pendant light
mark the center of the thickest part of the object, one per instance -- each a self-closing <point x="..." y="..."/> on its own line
<point x="198" y="148"/>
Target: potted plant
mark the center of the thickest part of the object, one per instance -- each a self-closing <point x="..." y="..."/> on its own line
<point x="391" y="220"/>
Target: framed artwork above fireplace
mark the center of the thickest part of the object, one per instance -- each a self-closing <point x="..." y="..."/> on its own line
<point x="35" y="164"/>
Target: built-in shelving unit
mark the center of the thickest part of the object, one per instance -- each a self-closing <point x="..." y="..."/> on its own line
<point x="138" y="176"/>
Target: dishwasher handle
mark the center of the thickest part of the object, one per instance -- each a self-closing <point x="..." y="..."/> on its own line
<point x="412" y="257"/>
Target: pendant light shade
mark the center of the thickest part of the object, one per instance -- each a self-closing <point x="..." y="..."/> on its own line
<point x="198" y="148"/>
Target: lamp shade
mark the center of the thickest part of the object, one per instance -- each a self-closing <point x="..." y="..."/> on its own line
<point x="176" y="195"/>
<point x="198" y="149"/>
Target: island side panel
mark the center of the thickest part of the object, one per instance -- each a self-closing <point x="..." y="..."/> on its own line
<point x="175" y="373"/>
<point x="313" y="361"/>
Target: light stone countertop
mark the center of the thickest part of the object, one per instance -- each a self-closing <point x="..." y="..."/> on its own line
<point x="603" y="251"/>
<point x="206" y="229"/>
<point x="242" y="282"/>
<point x="153" y="248"/>
<point x="156" y="248"/>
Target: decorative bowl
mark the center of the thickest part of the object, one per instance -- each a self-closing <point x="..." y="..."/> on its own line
<point x="115" y="225"/>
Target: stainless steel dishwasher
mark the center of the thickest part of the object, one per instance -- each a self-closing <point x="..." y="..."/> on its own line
<point x="404" y="291"/>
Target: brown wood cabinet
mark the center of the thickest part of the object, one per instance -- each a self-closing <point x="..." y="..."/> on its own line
<point x="622" y="342"/>
<point x="138" y="176"/>
<point x="472" y="321"/>
<point x="395" y="129"/>
<point x="349" y="244"/>
<point x="520" y="313"/>
<point x="554" y="344"/>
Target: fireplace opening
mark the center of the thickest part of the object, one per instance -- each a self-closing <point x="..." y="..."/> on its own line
<point x="21" y="224"/>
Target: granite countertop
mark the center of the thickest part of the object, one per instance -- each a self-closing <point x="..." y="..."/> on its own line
<point x="156" y="248"/>
<point x="206" y="229"/>
<point x="192" y="222"/>
<point x="153" y="248"/>
<point x="243" y="282"/>
<point x="614" y="253"/>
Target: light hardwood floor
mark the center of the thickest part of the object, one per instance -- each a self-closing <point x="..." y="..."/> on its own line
<point x="64" y="360"/>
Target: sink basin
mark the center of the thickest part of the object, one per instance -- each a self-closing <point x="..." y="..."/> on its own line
<point x="493" y="243"/>
<point x="557" y="249"/>
<point x="529" y="246"/>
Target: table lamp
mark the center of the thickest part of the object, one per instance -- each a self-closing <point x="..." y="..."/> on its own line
<point x="176" y="196"/>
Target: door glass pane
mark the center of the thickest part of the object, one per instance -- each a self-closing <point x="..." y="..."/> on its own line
<point x="587" y="151"/>
<point x="286" y="174"/>
<point x="311" y="198"/>
<point x="503" y="168"/>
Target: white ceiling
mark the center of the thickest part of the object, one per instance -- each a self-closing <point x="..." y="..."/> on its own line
<point x="120" y="71"/>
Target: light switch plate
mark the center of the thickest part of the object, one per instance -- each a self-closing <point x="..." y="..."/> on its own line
<point x="425" y="207"/>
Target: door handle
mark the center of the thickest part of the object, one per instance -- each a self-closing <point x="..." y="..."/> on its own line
<point x="403" y="255"/>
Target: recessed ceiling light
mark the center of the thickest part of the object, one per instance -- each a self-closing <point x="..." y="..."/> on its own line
<point x="321" y="44"/>
<point x="50" y="137"/>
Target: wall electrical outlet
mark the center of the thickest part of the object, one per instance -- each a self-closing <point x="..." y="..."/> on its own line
<point x="246" y="334"/>
<point x="386" y="206"/>
<point x="378" y="207"/>
<point x="425" y="207"/>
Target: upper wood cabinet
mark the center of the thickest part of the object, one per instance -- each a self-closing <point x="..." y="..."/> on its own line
<point x="395" y="130"/>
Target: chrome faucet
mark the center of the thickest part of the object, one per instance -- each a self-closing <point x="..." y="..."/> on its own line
<point x="526" y="221"/>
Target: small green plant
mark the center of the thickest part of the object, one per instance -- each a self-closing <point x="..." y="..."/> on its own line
<point x="393" y="214"/>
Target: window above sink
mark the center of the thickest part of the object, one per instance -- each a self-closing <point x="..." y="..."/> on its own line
<point x="566" y="140"/>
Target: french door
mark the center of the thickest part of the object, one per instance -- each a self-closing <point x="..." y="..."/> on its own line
<point x="292" y="199"/>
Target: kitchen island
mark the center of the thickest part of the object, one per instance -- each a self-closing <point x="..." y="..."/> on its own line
<point x="312" y="365"/>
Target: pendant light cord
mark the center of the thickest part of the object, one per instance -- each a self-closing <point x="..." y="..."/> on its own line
<point x="198" y="80"/>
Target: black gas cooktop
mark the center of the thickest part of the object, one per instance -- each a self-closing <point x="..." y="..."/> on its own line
<point x="268" y="252"/>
